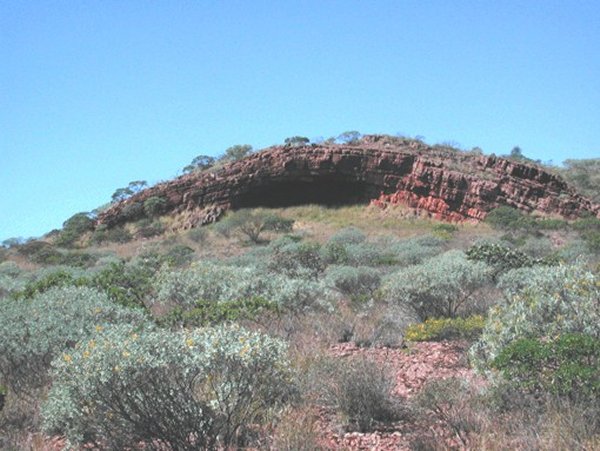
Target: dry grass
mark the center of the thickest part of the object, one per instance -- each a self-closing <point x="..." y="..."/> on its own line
<point x="297" y="430"/>
<point x="519" y="423"/>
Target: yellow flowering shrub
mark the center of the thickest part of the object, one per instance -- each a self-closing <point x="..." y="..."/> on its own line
<point x="445" y="328"/>
<point x="185" y="390"/>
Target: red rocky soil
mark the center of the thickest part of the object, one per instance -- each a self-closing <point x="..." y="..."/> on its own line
<point x="412" y="369"/>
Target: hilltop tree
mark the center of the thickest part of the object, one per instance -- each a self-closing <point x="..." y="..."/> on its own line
<point x="350" y="137"/>
<point x="237" y="152"/>
<point x="200" y="163"/>
<point x="74" y="228"/>
<point x="134" y="187"/>
<point x="13" y="242"/>
<point x="296" y="141"/>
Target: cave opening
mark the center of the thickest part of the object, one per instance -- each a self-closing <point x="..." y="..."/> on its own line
<point x="330" y="192"/>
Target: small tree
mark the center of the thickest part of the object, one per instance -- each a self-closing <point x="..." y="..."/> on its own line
<point x="253" y="223"/>
<point x="74" y="227"/>
<point x="237" y="152"/>
<point x="13" y="242"/>
<point x="350" y="137"/>
<point x="296" y="141"/>
<point x="200" y="163"/>
<point x="134" y="187"/>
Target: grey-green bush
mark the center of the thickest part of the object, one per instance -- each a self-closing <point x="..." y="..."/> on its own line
<point x="353" y="281"/>
<point x="188" y="390"/>
<point x="33" y="332"/>
<point x="541" y="303"/>
<point x="221" y="283"/>
<point x="441" y="286"/>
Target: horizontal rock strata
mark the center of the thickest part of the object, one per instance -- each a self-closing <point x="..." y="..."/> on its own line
<point x="446" y="184"/>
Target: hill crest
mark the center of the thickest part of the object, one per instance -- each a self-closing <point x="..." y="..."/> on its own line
<point x="447" y="184"/>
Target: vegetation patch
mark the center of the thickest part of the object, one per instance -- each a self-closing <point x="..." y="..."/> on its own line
<point x="202" y="389"/>
<point x="566" y="366"/>
<point x="435" y="329"/>
<point x="206" y="313"/>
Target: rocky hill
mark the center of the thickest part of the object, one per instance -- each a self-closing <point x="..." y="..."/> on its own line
<point x="383" y="170"/>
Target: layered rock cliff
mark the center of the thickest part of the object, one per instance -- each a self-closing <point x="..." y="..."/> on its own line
<point x="445" y="183"/>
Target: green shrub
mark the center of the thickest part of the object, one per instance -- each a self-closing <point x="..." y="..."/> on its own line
<point x="566" y="366"/>
<point x="59" y="278"/>
<point x="33" y="247"/>
<point x="132" y="211"/>
<point x="296" y="259"/>
<point x="540" y="303"/>
<point x="147" y="228"/>
<point x="444" y="230"/>
<point x="179" y="255"/>
<point x="348" y="235"/>
<point x="334" y="253"/>
<point x="509" y="219"/>
<point x="356" y="282"/>
<point x="551" y="224"/>
<point x="198" y="234"/>
<point x="589" y="230"/>
<point x="10" y="281"/>
<point x="46" y="254"/>
<point x="204" y="281"/>
<point x="352" y="250"/>
<point x="74" y="228"/>
<point x="111" y="235"/>
<point x="9" y="268"/>
<point x="206" y="313"/>
<point x="367" y="254"/>
<point x="154" y="206"/>
<point x="539" y="248"/>
<point x="435" y="329"/>
<point x="34" y="331"/>
<point x="503" y="258"/>
<point x="127" y="285"/>
<point x="202" y="389"/>
<point x="439" y="287"/>
<point x="413" y="251"/>
<point x="592" y="240"/>
<point x="584" y="175"/>
<point x="124" y="284"/>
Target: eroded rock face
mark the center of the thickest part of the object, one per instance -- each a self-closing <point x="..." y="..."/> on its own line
<point x="447" y="184"/>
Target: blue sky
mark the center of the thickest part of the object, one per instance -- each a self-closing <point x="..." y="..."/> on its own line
<point x="96" y="94"/>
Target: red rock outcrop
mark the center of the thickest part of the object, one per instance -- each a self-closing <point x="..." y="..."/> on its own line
<point x="447" y="184"/>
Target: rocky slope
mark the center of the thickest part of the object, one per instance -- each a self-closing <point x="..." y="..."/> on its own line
<point x="445" y="183"/>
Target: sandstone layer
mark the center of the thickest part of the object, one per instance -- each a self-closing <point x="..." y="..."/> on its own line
<point x="447" y="184"/>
